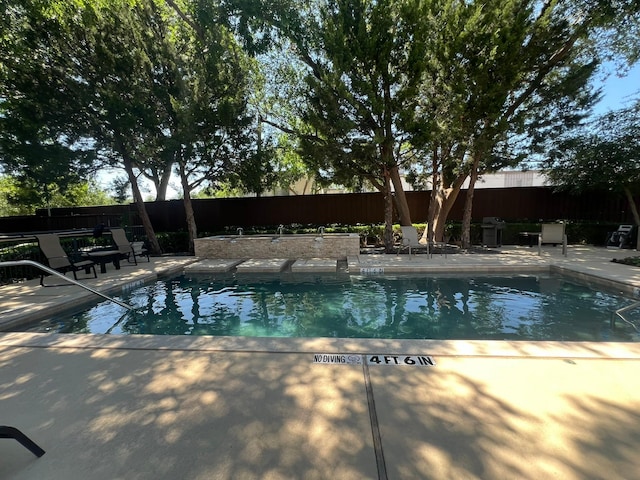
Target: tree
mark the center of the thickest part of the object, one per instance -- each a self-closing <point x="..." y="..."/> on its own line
<point x="500" y="76"/>
<point x="604" y="155"/>
<point x="84" y="68"/>
<point x="119" y="59"/>
<point x="40" y="146"/>
<point x="148" y="84"/>
<point x="275" y="163"/>
<point x="470" y="85"/>
<point x="208" y="122"/>
<point x="357" y="79"/>
<point x="276" y="85"/>
<point x="255" y="174"/>
<point x="290" y="168"/>
<point x="21" y="198"/>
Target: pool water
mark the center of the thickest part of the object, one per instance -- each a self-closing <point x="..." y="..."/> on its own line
<point x="524" y="307"/>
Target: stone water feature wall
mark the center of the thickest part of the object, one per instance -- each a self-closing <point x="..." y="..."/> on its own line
<point x="330" y="245"/>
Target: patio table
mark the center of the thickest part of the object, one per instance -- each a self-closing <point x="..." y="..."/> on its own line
<point x="532" y="236"/>
<point x="102" y="257"/>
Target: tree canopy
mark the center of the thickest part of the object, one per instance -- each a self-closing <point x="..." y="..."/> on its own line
<point x="142" y="85"/>
<point x="502" y="81"/>
<point x="604" y="155"/>
<point x="42" y="143"/>
<point x="451" y="89"/>
<point x="363" y="90"/>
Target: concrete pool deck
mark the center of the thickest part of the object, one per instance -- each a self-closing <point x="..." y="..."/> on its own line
<point x="115" y="407"/>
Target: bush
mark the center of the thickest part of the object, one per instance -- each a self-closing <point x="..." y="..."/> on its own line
<point x="22" y="251"/>
<point x="173" y="242"/>
<point x="631" y="261"/>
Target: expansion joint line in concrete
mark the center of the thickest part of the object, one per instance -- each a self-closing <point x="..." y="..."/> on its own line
<point x="375" y="426"/>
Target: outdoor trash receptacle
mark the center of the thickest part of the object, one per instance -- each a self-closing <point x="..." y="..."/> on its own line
<point x="492" y="231"/>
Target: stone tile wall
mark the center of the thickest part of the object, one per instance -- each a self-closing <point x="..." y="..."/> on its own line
<point x="331" y="245"/>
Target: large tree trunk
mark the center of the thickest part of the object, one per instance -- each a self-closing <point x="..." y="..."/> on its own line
<point x="443" y="195"/>
<point x="188" y="208"/>
<point x="632" y="206"/>
<point x="468" y="206"/>
<point x="152" y="240"/>
<point x="428" y="233"/>
<point x="444" y="200"/>
<point x="634" y="212"/>
<point x="388" y="158"/>
<point x="161" y="188"/>
<point x="388" y="214"/>
<point x="400" y="197"/>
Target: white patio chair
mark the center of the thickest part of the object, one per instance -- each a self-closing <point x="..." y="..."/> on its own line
<point x="553" y="233"/>
<point x="410" y="240"/>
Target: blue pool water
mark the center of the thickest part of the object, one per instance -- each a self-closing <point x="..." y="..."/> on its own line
<point x="526" y="307"/>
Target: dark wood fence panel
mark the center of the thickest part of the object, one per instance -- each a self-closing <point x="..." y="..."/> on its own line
<point x="167" y="216"/>
<point x="35" y="223"/>
<point x="213" y="214"/>
<point x="530" y="204"/>
<point x="535" y="204"/>
<point x="511" y="204"/>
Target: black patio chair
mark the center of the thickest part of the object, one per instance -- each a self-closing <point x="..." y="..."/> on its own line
<point x="130" y="249"/>
<point x="58" y="260"/>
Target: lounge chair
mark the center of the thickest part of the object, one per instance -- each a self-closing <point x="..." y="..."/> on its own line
<point x="410" y="240"/>
<point x="58" y="260"/>
<point x="129" y="250"/>
<point x="12" y="432"/>
<point x="553" y="233"/>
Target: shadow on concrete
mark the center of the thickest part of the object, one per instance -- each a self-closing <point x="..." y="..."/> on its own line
<point x="517" y="422"/>
<point x="134" y="414"/>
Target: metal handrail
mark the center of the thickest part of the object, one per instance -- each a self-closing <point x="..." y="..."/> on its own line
<point x="16" y="263"/>
<point x="620" y="311"/>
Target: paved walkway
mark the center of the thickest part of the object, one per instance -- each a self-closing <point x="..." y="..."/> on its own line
<point x="112" y="407"/>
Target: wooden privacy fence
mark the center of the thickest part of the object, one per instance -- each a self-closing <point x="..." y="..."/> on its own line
<point x="522" y="204"/>
<point x="532" y="204"/>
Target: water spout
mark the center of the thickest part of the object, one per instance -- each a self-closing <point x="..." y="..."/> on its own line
<point x="280" y="230"/>
<point x="240" y="231"/>
<point x="321" y="231"/>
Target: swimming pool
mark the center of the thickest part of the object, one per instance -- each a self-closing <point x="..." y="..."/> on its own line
<point x="491" y="307"/>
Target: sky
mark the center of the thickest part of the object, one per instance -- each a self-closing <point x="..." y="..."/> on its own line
<point x="619" y="92"/>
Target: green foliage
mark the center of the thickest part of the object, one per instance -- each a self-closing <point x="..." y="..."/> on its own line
<point x="354" y="95"/>
<point x="208" y="118"/>
<point x="223" y="189"/>
<point x="174" y="242"/>
<point x="363" y="86"/>
<point x="289" y="166"/>
<point x="606" y="154"/>
<point x="21" y="198"/>
<point x="498" y="78"/>
<point x="8" y="191"/>
<point x="41" y="146"/>
<point x="632" y="261"/>
<point x="255" y="174"/>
